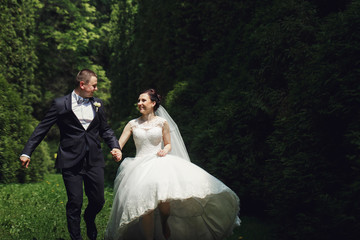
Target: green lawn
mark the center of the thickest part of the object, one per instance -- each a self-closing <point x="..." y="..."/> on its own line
<point x="37" y="212"/>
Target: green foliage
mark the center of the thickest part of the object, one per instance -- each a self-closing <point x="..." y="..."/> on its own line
<point x="310" y="166"/>
<point x="14" y="129"/>
<point x="120" y="42"/>
<point x="17" y="43"/>
<point x="10" y="122"/>
<point x="18" y="90"/>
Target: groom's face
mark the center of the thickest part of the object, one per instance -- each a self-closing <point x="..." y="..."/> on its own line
<point x="89" y="88"/>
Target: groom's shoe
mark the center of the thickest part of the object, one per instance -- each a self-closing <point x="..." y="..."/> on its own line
<point x="91" y="229"/>
<point x="92" y="234"/>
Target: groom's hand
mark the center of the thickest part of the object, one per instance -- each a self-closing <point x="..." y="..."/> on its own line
<point x="24" y="161"/>
<point x="117" y="154"/>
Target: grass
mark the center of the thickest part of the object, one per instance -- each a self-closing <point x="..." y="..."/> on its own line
<point x="37" y="212"/>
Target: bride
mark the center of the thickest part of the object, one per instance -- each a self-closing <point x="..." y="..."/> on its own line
<point x="160" y="194"/>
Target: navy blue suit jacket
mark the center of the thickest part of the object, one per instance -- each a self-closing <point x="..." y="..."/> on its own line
<point x="75" y="141"/>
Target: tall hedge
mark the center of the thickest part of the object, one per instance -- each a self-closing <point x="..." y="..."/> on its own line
<point x="15" y="127"/>
<point x="18" y="91"/>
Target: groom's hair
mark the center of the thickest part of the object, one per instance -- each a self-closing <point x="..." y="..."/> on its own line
<point x="84" y="75"/>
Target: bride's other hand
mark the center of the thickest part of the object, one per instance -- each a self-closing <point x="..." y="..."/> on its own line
<point x="162" y="153"/>
<point x="166" y="139"/>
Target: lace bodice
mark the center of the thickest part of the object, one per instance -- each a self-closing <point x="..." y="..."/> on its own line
<point x="147" y="135"/>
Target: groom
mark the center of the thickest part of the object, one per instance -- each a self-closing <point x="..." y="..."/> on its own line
<point x="81" y="120"/>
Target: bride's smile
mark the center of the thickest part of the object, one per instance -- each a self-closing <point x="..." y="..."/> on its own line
<point x="145" y="105"/>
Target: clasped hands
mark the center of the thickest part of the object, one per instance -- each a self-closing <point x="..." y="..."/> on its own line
<point x="117" y="154"/>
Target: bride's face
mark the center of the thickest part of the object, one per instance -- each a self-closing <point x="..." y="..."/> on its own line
<point x="145" y="105"/>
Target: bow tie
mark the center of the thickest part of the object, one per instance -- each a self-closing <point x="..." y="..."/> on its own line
<point x="83" y="100"/>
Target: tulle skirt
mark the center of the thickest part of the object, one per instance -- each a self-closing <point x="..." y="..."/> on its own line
<point x="201" y="206"/>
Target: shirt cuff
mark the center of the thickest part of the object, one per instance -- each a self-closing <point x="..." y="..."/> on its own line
<point x="25" y="155"/>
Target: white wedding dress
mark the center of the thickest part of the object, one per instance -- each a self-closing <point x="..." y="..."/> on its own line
<point x="201" y="206"/>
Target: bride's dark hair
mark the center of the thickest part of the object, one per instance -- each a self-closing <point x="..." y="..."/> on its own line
<point x="154" y="97"/>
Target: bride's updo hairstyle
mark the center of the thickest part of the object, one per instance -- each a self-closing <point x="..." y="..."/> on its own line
<point x="154" y="97"/>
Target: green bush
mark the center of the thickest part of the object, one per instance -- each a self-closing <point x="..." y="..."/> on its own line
<point x="15" y="127"/>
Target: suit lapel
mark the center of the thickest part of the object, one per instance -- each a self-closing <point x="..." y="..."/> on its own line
<point x="95" y="120"/>
<point x="68" y="107"/>
<point x="67" y="102"/>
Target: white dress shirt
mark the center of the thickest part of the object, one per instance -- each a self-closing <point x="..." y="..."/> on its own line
<point x="83" y="111"/>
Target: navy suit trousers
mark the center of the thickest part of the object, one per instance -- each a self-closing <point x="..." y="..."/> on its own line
<point x="92" y="178"/>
